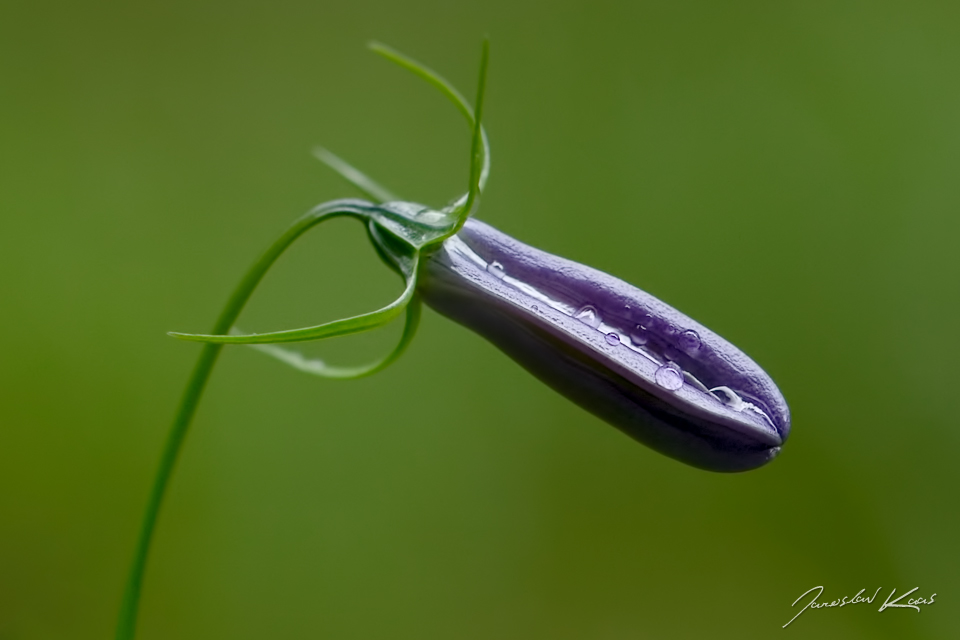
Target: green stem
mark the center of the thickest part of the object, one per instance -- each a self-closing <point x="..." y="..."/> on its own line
<point x="126" y="624"/>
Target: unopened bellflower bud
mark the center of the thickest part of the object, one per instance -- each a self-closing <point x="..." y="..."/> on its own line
<point x="617" y="351"/>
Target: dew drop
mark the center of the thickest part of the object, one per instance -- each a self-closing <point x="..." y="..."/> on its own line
<point x="613" y="339"/>
<point x="689" y="341"/>
<point x="648" y="322"/>
<point x="639" y="336"/>
<point x="588" y="315"/>
<point x="495" y="269"/>
<point x="729" y="397"/>
<point x="669" y="376"/>
<point x="535" y="308"/>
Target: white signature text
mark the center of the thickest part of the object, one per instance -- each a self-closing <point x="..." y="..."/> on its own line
<point x="889" y="603"/>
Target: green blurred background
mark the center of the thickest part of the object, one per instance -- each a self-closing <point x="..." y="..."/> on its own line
<point x="786" y="173"/>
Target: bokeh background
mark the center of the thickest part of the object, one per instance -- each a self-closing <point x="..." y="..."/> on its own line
<point x="786" y="173"/>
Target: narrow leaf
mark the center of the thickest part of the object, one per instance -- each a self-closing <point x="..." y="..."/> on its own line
<point x="343" y="327"/>
<point x="476" y="152"/>
<point x="318" y="367"/>
<point x="446" y="89"/>
<point x="354" y="176"/>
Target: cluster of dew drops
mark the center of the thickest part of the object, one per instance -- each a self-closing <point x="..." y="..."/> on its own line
<point x="669" y="375"/>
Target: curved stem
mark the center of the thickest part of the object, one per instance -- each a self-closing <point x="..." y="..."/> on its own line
<point x="126" y="624"/>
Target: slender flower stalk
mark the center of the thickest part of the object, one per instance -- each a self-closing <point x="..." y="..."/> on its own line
<point x="194" y="390"/>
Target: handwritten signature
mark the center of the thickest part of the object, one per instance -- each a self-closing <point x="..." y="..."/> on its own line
<point x="912" y="603"/>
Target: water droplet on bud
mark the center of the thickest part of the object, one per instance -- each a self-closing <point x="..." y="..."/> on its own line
<point x="669" y="376"/>
<point x="588" y="315"/>
<point x="689" y="341"/>
<point x="495" y="269"/>
<point x="729" y="397"/>
<point x="639" y="336"/>
<point x="613" y="339"/>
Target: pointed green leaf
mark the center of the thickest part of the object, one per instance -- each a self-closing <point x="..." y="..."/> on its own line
<point x="320" y="368"/>
<point x="343" y="327"/>
<point x="446" y="89"/>
<point x="354" y="176"/>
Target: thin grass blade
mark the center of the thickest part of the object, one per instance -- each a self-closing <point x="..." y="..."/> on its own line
<point x="446" y="89"/>
<point x="342" y="327"/>
<point x="317" y="367"/>
<point x="367" y="185"/>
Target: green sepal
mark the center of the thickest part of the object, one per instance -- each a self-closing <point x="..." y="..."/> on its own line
<point x="448" y="90"/>
<point x="342" y="327"/>
<point x="455" y="215"/>
<point x="367" y="185"/>
<point x="318" y="367"/>
<point x="399" y="230"/>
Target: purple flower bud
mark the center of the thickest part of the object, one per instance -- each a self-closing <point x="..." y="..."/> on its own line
<point x="615" y="350"/>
